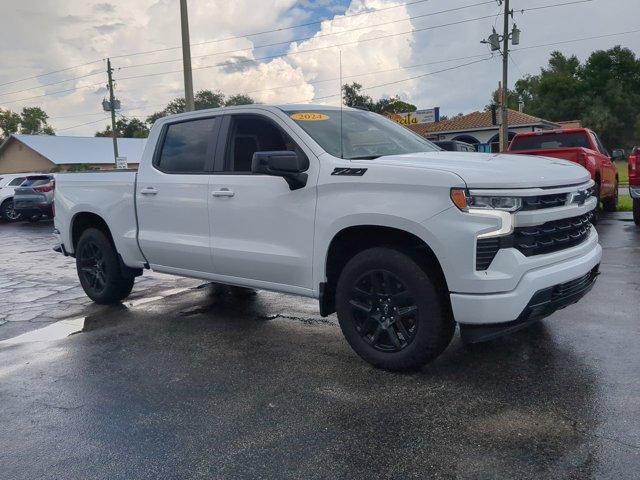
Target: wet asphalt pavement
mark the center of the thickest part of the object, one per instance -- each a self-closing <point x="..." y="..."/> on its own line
<point x="205" y="385"/>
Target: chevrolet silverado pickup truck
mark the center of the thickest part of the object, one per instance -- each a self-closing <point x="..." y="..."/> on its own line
<point x="404" y="241"/>
<point x="634" y="182"/>
<point x="579" y="145"/>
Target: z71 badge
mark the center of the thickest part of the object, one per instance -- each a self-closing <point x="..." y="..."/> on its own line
<point x="351" y="172"/>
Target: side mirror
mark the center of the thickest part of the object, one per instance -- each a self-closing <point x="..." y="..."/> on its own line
<point x="618" y="154"/>
<point x="286" y="164"/>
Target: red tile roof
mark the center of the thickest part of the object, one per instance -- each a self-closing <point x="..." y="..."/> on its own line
<point x="477" y="121"/>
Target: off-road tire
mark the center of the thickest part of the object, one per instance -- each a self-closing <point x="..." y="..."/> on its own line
<point x="430" y="329"/>
<point x="113" y="286"/>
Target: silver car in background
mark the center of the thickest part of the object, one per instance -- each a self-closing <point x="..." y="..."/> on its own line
<point x="33" y="199"/>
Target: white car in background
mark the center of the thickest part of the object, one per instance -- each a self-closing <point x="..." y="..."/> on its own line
<point x="8" y="184"/>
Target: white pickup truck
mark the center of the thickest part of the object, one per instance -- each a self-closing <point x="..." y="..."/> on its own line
<point x="402" y="239"/>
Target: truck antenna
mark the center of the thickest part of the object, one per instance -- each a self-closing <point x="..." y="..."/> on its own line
<point x="341" y="102"/>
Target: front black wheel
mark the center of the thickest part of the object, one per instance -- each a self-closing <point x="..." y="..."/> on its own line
<point x="99" y="269"/>
<point x="390" y="311"/>
<point x="636" y="211"/>
<point x="611" y="204"/>
<point x="8" y="213"/>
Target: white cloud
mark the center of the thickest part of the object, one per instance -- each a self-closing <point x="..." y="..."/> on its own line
<point x="45" y="35"/>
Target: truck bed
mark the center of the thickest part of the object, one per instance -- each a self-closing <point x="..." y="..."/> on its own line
<point x="109" y="194"/>
<point x="575" y="154"/>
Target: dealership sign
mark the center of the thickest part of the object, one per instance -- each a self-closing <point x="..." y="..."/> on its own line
<point x="429" y="115"/>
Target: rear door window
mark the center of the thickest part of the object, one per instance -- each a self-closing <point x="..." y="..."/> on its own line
<point x="188" y="147"/>
<point x="548" y="141"/>
<point x="16" y="181"/>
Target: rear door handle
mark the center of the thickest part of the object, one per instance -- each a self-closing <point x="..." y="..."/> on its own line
<point x="223" y="192"/>
<point x="149" y="191"/>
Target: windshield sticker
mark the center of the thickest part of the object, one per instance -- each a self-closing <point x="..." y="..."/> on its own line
<point x="309" y="117"/>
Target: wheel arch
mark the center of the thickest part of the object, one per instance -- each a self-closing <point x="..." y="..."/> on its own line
<point x="353" y="239"/>
<point x="81" y="221"/>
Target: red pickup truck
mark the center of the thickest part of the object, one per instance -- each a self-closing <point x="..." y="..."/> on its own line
<point x="634" y="182"/>
<point x="579" y="145"/>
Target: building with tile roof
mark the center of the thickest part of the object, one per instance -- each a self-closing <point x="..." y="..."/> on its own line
<point x="478" y="128"/>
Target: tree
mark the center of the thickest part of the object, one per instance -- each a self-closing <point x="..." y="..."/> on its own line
<point x="353" y="97"/>
<point x="127" y="128"/>
<point x="603" y="92"/>
<point x="31" y="121"/>
<point x="203" y="99"/>
<point x="239" y="99"/>
<point x="9" y="123"/>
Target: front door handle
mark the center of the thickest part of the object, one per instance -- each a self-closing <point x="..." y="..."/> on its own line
<point x="223" y="192"/>
<point x="149" y="191"/>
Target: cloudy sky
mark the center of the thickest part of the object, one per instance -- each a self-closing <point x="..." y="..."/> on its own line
<point x="426" y="51"/>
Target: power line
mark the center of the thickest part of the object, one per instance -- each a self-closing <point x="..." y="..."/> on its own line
<point x="563" y="42"/>
<point x="550" y="44"/>
<point x="96" y="72"/>
<point x="253" y="60"/>
<point x="313" y="37"/>
<point x="50" y="73"/>
<point x="82" y="125"/>
<point x="53" y="93"/>
<point x="282" y="29"/>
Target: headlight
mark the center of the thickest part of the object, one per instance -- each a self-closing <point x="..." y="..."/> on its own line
<point x="464" y="201"/>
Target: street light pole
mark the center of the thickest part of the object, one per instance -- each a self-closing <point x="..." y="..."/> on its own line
<point x="504" y="128"/>
<point x="186" y="57"/>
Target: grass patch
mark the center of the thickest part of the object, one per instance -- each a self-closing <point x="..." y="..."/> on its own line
<point x="625" y="203"/>
<point x="623" y="172"/>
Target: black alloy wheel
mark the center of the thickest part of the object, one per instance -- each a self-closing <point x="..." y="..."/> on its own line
<point x="100" y="270"/>
<point x="385" y="314"/>
<point x="9" y="213"/>
<point x="393" y="309"/>
<point x="92" y="266"/>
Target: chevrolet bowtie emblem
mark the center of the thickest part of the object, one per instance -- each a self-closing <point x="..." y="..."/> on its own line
<point x="578" y="197"/>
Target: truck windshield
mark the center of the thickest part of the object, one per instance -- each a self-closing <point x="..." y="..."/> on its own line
<point x="365" y="135"/>
<point x="548" y="141"/>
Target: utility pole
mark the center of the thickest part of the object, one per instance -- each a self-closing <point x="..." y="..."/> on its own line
<point x="112" y="107"/>
<point x="504" y="128"/>
<point x="186" y="57"/>
<point x="494" y="42"/>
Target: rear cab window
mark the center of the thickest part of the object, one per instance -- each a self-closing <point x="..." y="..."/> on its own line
<point x="549" y="141"/>
<point x="187" y="147"/>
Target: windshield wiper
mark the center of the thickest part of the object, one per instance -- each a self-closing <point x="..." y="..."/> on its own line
<point x="364" y="157"/>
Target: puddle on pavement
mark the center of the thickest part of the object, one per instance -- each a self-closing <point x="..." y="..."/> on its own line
<point x="64" y="328"/>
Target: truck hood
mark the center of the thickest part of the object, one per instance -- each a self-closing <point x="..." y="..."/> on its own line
<point x="489" y="170"/>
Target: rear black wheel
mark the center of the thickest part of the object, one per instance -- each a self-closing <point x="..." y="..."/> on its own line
<point x="8" y="213"/>
<point x="390" y="311"/>
<point x="636" y="211"/>
<point x="99" y="269"/>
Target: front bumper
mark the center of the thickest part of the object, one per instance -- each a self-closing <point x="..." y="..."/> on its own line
<point x="544" y="303"/>
<point x="634" y="191"/>
<point x="505" y="307"/>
